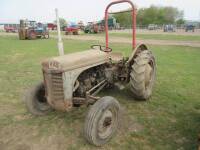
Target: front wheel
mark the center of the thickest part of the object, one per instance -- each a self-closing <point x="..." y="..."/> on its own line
<point x="102" y="121"/>
<point x="142" y="75"/>
<point x="46" y="36"/>
<point x="36" y="101"/>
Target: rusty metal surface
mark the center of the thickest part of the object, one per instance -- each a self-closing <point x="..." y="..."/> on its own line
<point x="75" y="60"/>
<point x="138" y="49"/>
<point x="55" y="91"/>
<point x="76" y="78"/>
<point x="98" y="87"/>
<point x="60" y="86"/>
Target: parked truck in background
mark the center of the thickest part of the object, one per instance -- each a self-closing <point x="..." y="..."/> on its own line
<point x="51" y="26"/>
<point x="189" y="27"/>
<point x="71" y="28"/>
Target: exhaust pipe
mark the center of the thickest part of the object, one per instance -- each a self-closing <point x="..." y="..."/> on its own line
<point x="60" y="42"/>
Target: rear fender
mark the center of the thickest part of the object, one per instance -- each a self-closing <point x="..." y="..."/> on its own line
<point x="138" y="49"/>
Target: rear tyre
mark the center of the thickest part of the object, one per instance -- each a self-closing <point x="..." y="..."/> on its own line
<point x="142" y="75"/>
<point x="102" y="121"/>
<point x="75" y="33"/>
<point x="35" y="100"/>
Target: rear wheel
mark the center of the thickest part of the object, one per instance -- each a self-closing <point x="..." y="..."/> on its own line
<point x="36" y="101"/>
<point x="142" y="75"/>
<point x="102" y="121"/>
<point x="75" y="33"/>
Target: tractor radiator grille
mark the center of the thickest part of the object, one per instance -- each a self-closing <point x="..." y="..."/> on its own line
<point x="57" y="87"/>
<point x="54" y="83"/>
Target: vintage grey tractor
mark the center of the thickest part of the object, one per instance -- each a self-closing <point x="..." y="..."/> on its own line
<point x="74" y="80"/>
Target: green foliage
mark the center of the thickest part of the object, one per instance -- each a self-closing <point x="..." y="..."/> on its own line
<point x="180" y="21"/>
<point x="124" y="19"/>
<point x="63" y="22"/>
<point x="152" y="15"/>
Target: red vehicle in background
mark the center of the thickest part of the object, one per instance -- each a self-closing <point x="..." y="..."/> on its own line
<point x="11" y="28"/>
<point x="72" y="29"/>
<point x="51" y="26"/>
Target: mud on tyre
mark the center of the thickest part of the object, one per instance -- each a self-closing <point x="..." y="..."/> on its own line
<point x="102" y="121"/>
<point x="142" y="75"/>
<point x="36" y="101"/>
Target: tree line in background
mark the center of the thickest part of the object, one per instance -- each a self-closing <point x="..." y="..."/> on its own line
<point x="152" y="15"/>
<point x="62" y="21"/>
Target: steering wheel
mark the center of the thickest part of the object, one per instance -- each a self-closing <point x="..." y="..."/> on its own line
<point x="102" y="48"/>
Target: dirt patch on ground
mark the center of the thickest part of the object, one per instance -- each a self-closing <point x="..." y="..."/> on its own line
<point x="6" y="109"/>
<point x="128" y="124"/>
<point x="7" y="34"/>
<point x="25" y="138"/>
<point x="128" y="40"/>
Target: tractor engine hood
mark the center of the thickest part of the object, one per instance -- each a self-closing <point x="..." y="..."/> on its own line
<point x="75" y="60"/>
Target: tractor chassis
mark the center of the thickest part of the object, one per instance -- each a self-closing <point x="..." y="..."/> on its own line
<point x="90" y="98"/>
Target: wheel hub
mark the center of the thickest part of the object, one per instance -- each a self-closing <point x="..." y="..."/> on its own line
<point x="105" y="124"/>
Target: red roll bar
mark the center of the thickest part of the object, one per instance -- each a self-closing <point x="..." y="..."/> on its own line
<point x="133" y="20"/>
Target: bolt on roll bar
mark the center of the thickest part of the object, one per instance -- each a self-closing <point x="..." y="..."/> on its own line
<point x="133" y="20"/>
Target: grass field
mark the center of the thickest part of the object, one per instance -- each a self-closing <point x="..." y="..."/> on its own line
<point x="169" y="121"/>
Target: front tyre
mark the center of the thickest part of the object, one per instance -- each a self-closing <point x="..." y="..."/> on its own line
<point x="35" y="100"/>
<point x="46" y="36"/>
<point x="102" y="121"/>
<point x="142" y="75"/>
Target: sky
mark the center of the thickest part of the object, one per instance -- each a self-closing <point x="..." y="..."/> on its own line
<point x="86" y="10"/>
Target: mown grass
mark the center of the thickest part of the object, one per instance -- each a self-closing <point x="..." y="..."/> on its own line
<point x="169" y="121"/>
